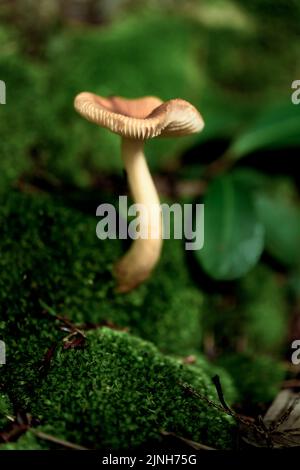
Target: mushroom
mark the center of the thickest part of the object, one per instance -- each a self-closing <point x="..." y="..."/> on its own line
<point x="135" y="121"/>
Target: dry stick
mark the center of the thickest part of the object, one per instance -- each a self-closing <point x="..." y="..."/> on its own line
<point x="56" y="440"/>
<point x="217" y="384"/>
<point x="259" y="426"/>
<point x="291" y="383"/>
<point x="242" y="419"/>
<point x="62" y="319"/>
<point x="14" y="433"/>
<point x="85" y="326"/>
<point x="193" y="444"/>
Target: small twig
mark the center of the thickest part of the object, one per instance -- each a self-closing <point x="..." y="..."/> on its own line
<point x="10" y="418"/>
<point x="23" y="424"/>
<point x="217" y="384"/>
<point x="291" y="383"/>
<point x="60" y="318"/>
<point x="74" y="340"/>
<point x="45" y="363"/>
<point x="248" y="421"/>
<point x="193" y="444"/>
<point x="83" y="327"/>
<point x="56" y="440"/>
<point x="15" y="432"/>
<point x="193" y="392"/>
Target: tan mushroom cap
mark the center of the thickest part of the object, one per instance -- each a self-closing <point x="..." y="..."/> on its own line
<point x="142" y="118"/>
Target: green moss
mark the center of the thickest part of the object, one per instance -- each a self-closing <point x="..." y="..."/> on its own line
<point x="253" y="314"/>
<point x="117" y="392"/>
<point x="257" y="378"/>
<point x="5" y="409"/>
<point x="27" y="441"/>
<point x="51" y="256"/>
<point x="212" y="369"/>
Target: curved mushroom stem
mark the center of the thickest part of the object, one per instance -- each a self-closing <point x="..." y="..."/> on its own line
<point x="136" y="265"/>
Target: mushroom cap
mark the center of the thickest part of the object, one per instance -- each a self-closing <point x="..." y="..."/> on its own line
<point x="141" y="118"/>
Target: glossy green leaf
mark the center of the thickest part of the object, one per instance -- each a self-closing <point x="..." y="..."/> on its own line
<point x="281" y="219"/>
<point x="276" y="128"/>
<point x="250" y="179"/>
<point x="234" y="237"/>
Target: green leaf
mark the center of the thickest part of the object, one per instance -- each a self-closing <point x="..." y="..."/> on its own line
<point x="281" y="219"/>
<point x="234" y="237"/>
<point x="294" y="283"/>
<point x="250" y="179"/>
<point x="278" y="127"/>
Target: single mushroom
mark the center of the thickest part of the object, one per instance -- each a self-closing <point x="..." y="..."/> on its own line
<point x="136" y="121"/>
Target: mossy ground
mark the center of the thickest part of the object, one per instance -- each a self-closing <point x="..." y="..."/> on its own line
<point x="113" y="388"/>
<point x="118" y="390"/>
<point x="52" y="257"/>
<point x="108" y="387"/>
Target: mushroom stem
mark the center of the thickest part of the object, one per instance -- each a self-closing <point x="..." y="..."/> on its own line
<point x="136" y="265"/>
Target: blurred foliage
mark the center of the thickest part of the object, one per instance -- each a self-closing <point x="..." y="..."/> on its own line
<point x="254" y="212"/>
<point x="129" y="59"/>
<point x="251" y="316"/>
<point x="235" y="61"/>
<point x="222" y="56"/>
<point x="280" y="214"/>
<point x="228" y="252"/>
<point x="257" y="379"/>
<point x="278" y="127"/>
<point x="18" y="130"/>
